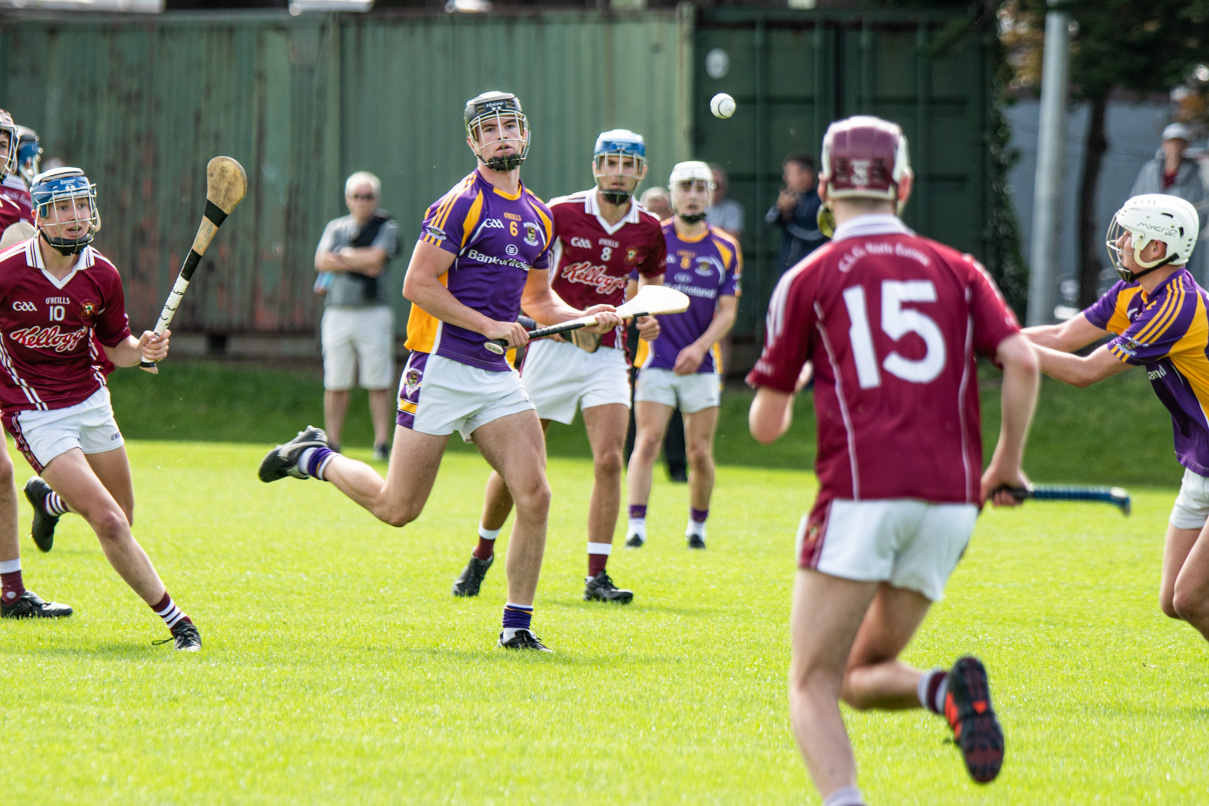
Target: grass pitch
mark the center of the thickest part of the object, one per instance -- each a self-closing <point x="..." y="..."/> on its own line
<point x="337" y="667"/>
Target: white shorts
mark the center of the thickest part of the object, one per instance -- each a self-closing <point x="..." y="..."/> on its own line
<point x="361" y="339"/>
<point x="1191" y="509"/>
<point x="560" y="377"/>
<point x="689" y="393"/>
<point x="439" y="396"/>
<point x="43" y="435"/>
<point x="908" y="543"/>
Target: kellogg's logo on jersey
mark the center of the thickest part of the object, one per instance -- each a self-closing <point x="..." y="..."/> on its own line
<point x="585" y="273"/>
<point x="49" y="337"/>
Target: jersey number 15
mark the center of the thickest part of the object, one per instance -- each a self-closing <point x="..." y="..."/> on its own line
<point x="896" y="322"/>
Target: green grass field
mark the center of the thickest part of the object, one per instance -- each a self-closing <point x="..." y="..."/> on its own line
<point x="337" y="667"/>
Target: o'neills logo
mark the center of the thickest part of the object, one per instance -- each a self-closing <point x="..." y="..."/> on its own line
<point x="587" y="274"/>
<point x="52" y="337"/>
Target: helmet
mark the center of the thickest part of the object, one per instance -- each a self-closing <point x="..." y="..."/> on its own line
<point x="690" y="173"/>
<point x="29" y="154"/>
<point x="630" y="147"/>
<point x="1153" y="217"/>
<point x="864" y="157"/>
<point x="63" y="184"/>
<point x="497" y="106"/>
<point x="8" y="158"/>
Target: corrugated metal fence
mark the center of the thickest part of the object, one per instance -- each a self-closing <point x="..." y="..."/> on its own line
<point x="142" y="104"/>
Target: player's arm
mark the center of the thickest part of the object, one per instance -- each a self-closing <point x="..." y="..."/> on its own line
<point x="1018" y="401"/>
<point x="1073" y="334"/>
<point x="691" y="355"/>
<point x="771" y="414"/>
<point x="648" y="326"/>
<point x="1078" y="370"/>
<point x="541" y="302"/>
<point x="147" y="347"/>
<point x="422" y="286"/>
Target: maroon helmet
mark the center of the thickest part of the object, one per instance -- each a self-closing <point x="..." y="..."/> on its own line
<point x="864" y="157"/>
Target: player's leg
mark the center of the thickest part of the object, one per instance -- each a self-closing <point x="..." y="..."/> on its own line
<point x="513" y="445"/>
<point x="1190" y="597"/>
<point x="497" y="506"/>
<point x="15" y="600"/>
<point x="827" y="612"/>
<point x="1177" y="548"/>
<point x="699" y="429"/>
<point x="651" y="419"/>
<point x="875" y="677"/>
<point x="112" y="468"/>
<point x="606" y="425"/>
<point x="398" y="499"/>
<point x="381" y="406"/>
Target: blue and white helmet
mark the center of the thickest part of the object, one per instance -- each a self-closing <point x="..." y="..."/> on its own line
<point x="8" y="158"/>
<point x="64" y="185"/>
<point x="631" y="149"/>
<point x="29" y="154"/>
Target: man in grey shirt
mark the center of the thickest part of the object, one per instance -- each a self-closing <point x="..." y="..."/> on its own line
<point x="358" y="330"/>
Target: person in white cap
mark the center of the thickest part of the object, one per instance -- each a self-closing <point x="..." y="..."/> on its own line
<point x="1172" y="173"/>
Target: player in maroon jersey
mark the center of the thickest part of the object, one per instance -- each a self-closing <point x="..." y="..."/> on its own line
<point x="14" y="198"/>
<point x="56" y="293"/>
<point x="892" y="323"/>
<point x="602" y="235"/>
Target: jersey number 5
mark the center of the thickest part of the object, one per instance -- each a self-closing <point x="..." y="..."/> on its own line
<point x="896" y="322"/>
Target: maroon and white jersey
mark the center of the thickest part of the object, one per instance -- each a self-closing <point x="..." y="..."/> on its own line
<point x="892" y="323"/>
<point x="48" y="356"/>
<point x="594" y="259"/>
<point x="10" y="213"/>
<point x="13" y="189"/>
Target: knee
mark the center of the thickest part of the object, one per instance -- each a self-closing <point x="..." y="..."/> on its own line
<point x="400" y="515"/>
<point x="7" y="474"/>
<point x="1167" y="605"/>
<point x="609" y="464"/>
<point x="532" y="496"/>
<point x="699" y="456"/>
<point x="111" y="524"/>
<point x="1189" y="606"/>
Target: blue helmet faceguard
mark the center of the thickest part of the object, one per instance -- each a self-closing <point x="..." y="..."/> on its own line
<point x="29" y="154"/>
<point x="629" y="147"/>
<point x="497" y="107"/>
<point x="8" y="157"/>
<point x="64" y="185"/>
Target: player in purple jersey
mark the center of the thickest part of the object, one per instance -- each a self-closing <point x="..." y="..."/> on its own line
<point x="601" y="236"/>
<point x="483" y="253"/>
<point x="892" y="323"/>
<point x="682" y="368"/>
<point x="56" y="294"/>
<point x="1157" y="315"/>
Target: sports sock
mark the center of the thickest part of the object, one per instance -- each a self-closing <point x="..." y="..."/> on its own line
<point x="598" y="557"/>
<point x="638" y="511"/>
<point x="54" y="505"/>
<point x="516" y="617"/>
<point x="844" y="796"/>
<point x="696" y="522"/>
<point x="637" y="526"/>
<point x="313" y="462"/>
<point x="11" y="584"/>
<point x="932" y="688"/>
<point x="166" y="609"/>
<point x="486" y="547"/>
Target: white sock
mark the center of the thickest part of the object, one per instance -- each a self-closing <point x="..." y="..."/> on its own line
<point x="844" y="796"/>
<point x="637" y="526"/>
<point x="695" y="528"/>
<point x="489" y="534"/>
<point x="921" y="690"/>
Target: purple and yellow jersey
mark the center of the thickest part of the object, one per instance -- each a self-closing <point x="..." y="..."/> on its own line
<point x="1168" y="333"/>
<point x="496" y="239"/>
<point x="705" y="269"/>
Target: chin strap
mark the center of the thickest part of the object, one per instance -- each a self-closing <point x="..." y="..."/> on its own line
<point x="1132" y="276"/>
<point x="617" y="197"/>
<point x="692" y="218"/>
<point x="65" y="248"/>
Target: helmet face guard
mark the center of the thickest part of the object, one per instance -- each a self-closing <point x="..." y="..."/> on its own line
<point x="29" y="154"/>
<point x="618" y="164"/>
<point x="497" y="111"/>
<point x="692" y="190"/>
<point x="56" y="195"/>
<point x="8" y="157"/>
<point x="1148" y="218"/>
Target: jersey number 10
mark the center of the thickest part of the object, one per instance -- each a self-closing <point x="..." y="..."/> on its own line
<point x="896" y="322"/>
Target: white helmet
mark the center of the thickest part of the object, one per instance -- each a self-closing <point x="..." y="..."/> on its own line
<point x="689" y="172"/>
<point x="685" y="175"/>
<point x="1153" y="217"/>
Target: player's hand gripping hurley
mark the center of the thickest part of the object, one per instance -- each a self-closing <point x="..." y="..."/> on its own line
<point x="651" y="300"/>
<point x="226" y="185"/>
